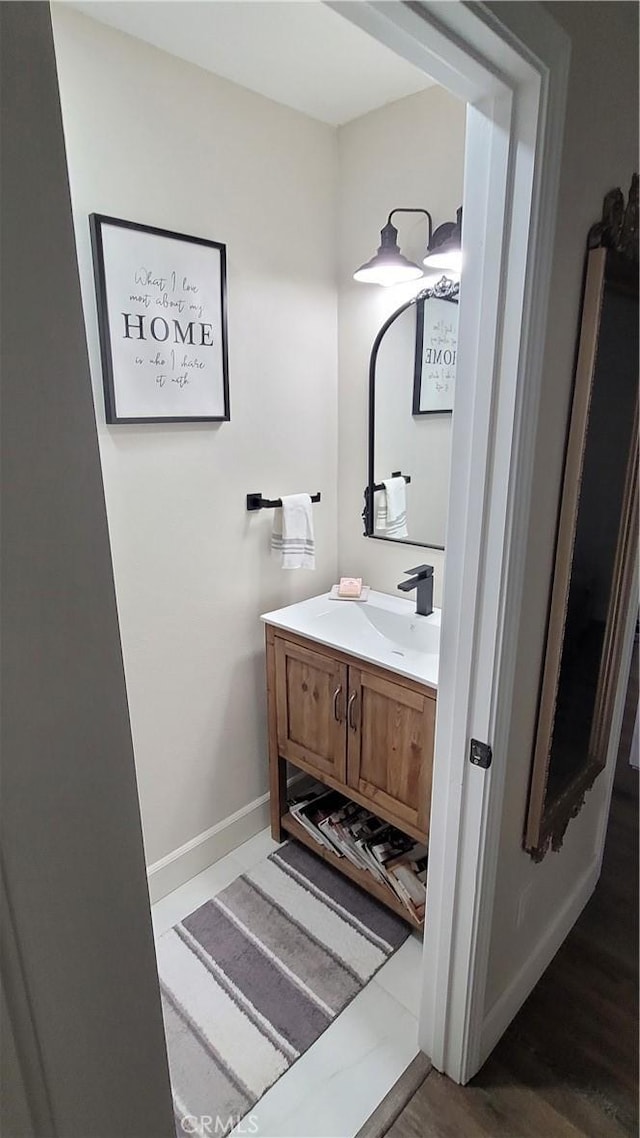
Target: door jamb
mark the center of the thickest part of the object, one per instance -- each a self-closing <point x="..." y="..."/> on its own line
<point x="510" y="62"/>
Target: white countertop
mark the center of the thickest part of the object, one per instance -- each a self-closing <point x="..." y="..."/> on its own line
<point x="382" y="630"/>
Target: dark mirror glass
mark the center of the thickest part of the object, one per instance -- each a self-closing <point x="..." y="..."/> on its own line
<point x="591" y="605"/>
<point x="606" y="454"/>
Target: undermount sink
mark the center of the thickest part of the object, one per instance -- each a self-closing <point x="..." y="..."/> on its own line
<point x="382" y="630"/>
<point x="405" y="630"/>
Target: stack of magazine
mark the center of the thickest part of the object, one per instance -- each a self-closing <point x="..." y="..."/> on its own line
<point x="352" y="832"/>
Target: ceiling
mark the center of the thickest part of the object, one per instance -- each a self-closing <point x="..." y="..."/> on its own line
<point x="297" y="52"/>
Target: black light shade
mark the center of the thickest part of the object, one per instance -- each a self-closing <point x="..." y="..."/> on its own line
<point x="389" y="266"/>
<point x="445" y="247"/>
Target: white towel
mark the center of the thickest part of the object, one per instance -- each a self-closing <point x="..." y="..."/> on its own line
<point x="392" y="508"/>
<point x="292" y="539"/>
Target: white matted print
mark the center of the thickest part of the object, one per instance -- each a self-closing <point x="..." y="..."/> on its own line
<point x="436" y="353"/>
<point x="162" y="319"/>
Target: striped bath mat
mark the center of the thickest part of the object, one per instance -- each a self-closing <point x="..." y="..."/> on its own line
<point x="253" y="977"/>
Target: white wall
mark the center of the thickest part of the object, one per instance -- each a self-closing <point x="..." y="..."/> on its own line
<point x="600" y="152"/>
<point x="156" y="140"/>
<point x="77" y="958"/>
<point x="409" y="153"/>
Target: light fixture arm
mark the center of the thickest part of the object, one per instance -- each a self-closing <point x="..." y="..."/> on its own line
<point x="389" y="266"/>
<point x="403" y="209"/>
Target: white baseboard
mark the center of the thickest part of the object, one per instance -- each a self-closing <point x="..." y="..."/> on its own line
<point x="208" y="847"/>
<point x="509" y="1003"/>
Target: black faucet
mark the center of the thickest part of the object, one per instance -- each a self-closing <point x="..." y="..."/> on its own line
<point x="423" y="584"/>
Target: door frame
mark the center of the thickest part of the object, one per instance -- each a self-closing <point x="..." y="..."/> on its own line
<point x="510" y="63"/>
<point x="513" y="72"/>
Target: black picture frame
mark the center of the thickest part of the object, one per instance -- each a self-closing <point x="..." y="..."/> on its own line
<point x="446" y="290"/>
<point x="133" y="391"/>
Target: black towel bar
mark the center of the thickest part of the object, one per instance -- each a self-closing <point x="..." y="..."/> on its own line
<point x="395" y="474"/>
<point x="257" y="502"/>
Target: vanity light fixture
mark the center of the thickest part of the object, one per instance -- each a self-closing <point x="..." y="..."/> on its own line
<point x="445" y="246"/>
<point x="389" y="266"/>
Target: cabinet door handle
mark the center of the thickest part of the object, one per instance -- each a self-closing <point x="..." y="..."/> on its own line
<point x="350" y="711"/>
<point x="336" y="695"/>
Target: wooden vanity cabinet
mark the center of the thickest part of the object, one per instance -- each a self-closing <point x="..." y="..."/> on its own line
<point x="311" y="692"/>
<point x="390" y="747"/>
<point x="358" y="728"/>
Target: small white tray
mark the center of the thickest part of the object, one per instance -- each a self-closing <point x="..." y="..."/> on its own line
<point x="364" y="595"/>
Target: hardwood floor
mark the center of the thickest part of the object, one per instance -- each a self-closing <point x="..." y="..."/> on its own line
<point x="568" y="1065"/>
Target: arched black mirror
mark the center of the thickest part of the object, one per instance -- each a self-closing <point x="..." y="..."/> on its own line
<point x="412" y="374"/>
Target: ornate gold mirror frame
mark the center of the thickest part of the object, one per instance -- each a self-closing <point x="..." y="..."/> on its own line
<point x="597" y="536"/>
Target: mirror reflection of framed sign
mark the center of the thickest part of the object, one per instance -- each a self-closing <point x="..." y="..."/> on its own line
<point x="163" y="325"/>
<point x="436" y="351"/>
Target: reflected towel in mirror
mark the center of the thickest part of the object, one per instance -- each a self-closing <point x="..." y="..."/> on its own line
<point x="391" y="517"/>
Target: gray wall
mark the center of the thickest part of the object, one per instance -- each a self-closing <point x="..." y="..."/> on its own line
<point x="71" y="839"/>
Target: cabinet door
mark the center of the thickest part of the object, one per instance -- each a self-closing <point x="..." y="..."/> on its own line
<point x="390" y="731"/>
<point x="311" y="690"/>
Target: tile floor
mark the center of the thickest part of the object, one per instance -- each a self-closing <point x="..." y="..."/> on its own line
<point x="333" y="1088"/>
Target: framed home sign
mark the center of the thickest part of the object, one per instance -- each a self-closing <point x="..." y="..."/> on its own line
<point x="436" y="348"/>
<point x="162" y="320"/>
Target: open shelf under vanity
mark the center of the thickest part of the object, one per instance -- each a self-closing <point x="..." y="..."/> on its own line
<point x="361" y="877"/>
<point x="356" y="728"/>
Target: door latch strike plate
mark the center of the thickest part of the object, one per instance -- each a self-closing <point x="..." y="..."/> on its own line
<point x="480" y="754"/>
